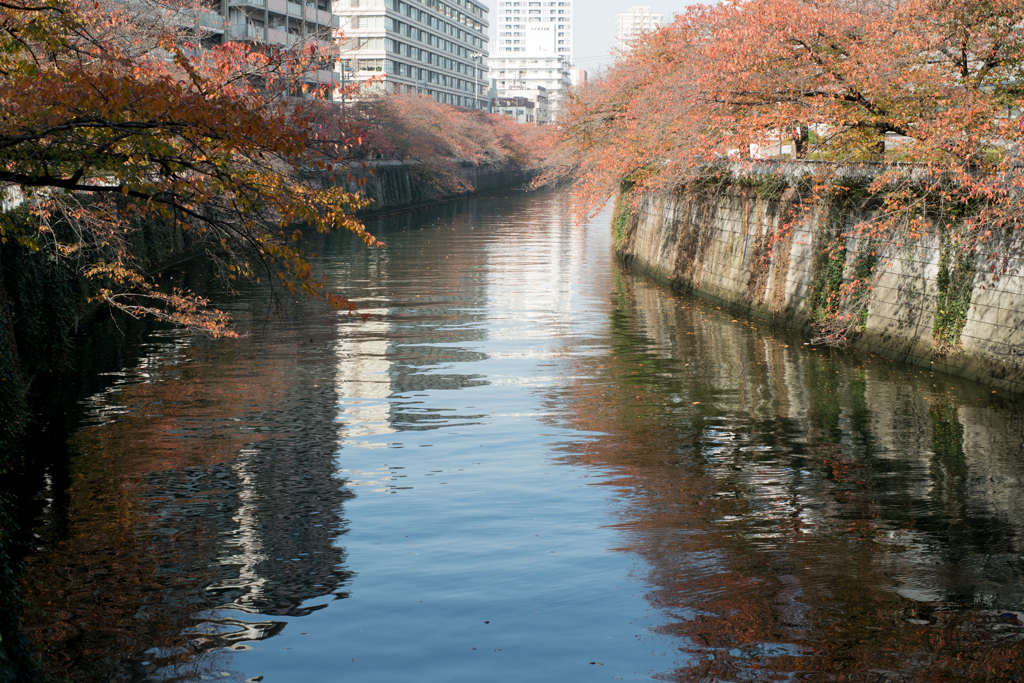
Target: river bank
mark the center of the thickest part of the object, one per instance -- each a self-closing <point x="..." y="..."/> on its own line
<point x="397" y="185"/>
<point x="923" y="303"/>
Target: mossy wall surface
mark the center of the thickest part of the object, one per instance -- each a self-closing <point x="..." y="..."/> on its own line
<point x="39" y="300"/>
<point x="959" y="314"/>
<point x="395" y="185"/>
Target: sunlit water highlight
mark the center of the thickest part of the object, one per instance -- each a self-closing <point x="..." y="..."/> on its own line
<point x="527" y="465"/>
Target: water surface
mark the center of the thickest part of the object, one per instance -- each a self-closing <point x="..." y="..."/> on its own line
<point x="527" y="465"/>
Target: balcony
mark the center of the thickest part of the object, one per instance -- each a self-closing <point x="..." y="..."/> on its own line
<point x="326" y="76"/>
<point x="318" y="16"/>
<point x="246" y="32"/>
<point x="277" y="36"/>
<point x="212" y="21"/>
<point x="278" y="6"/>
<point x="294" y="9"/>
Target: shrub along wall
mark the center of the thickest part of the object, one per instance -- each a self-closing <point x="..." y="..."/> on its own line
<point x="759" y="251"/>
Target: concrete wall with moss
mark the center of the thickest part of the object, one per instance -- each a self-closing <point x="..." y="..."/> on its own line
<point x="42" y="301"/>
<point x="928" y="304"/>
<point x="395" y="185"/>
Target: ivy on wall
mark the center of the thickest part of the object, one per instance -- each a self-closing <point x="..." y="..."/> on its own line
<point x="864" y="264"/>
<point x="955" y="283"/>
<point x="825" y="295"/>
<point x="621" y="215"/>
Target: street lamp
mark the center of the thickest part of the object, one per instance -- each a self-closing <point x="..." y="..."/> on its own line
<point x="344" y="82"/>
<point x="476" y="88"/>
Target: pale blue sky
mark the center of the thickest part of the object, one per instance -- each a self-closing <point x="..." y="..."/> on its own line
<point x="594" y="26"/>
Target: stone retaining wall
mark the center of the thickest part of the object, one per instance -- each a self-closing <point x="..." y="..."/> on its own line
<point x="395" y="185"/>
<point x="734" y="248"/>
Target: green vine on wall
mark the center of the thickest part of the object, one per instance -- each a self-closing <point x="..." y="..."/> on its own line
<point x="826" y="293"/>
<point x="955" y="284"/>
<point x="864" y="264"/>
<point x="827" y="272"/>
<point x="621" y="215"/>
<point x="839" y="297"/>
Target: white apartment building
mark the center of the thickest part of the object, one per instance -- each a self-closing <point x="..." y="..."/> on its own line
<point x="518" y="108"/>
<point x="577" y="76"/>
<point x="538" y="97"/>
<point x="532" y="48"/>
<point x="632" y="23"/>
<point x="434" y="47"/>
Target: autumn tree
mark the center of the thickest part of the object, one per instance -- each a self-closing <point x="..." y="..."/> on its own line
<point x="920" y="99"/>
<point x="434" y="139"/>
<point x="127" y="113"/>
<point x="722" y="78"/>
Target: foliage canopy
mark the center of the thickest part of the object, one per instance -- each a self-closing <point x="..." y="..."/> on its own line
<point x="922" y="99"/>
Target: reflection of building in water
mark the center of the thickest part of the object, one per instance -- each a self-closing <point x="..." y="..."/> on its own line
<point x="279" y="550"/>
<point x="217" y="515"/>
<point x="533" y="271"/>
<point x="410" y="346"/>
<point x="363" y="379"/>
<point x="270" y="518"/>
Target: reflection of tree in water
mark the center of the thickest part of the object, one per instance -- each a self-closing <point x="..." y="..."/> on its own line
<point x="806" y="513"/>
<point x="197" y="518"/>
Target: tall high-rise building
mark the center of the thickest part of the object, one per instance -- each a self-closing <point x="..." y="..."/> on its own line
<point x="531" y="49"/>
<point x="434" y="47"/>
<point x="633" y="23"/>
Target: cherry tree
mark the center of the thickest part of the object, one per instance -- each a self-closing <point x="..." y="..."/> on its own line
<point x="919" y="99"/>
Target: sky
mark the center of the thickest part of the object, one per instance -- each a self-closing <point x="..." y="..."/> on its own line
<point x="594" y="26"/>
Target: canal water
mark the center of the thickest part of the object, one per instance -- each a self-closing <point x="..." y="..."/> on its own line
<point x="526" y="465"/>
